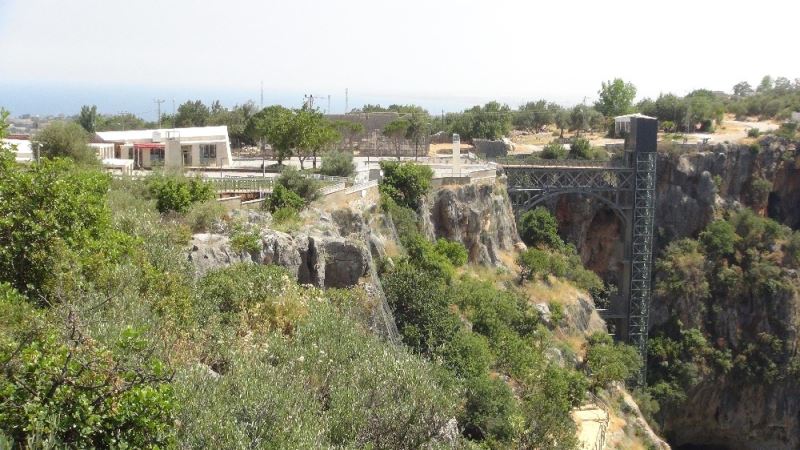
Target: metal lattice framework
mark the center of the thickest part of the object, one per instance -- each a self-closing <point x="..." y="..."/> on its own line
<point x="629" y="190"/>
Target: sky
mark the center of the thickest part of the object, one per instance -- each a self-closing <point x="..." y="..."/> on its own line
<point x="56" y="55"/>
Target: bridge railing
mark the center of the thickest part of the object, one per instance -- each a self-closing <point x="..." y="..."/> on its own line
<point x="541" y="162"/>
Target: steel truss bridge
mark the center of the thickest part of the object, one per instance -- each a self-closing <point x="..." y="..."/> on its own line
<point x="628" y="188"/>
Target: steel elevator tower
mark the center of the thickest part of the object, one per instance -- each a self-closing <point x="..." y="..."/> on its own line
<point x="628" y="187"/>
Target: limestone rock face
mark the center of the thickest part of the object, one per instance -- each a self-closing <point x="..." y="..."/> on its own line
<point x="479" y="216"/>
<point x="324" y="261"/>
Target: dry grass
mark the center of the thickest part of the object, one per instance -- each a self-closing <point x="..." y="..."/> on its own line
<point x="551" y="290"/>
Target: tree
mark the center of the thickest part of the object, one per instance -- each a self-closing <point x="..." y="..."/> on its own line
<point x="534" y="116"/>
<point x="742" y="89"/>
<point x="608" y="362"/>
<point x="616" y="98"/>
<point x="121" y="122"/>
<point x="418" y="130"/>
<point x="491" y="121"/>
<point x="405" y="183"/>
<point x="308" y="132"/>
<point x="553" y="150"/>
<point x="348" y="130"/>
<point x="272" y="124"/>
<point x="579" y="119"/>
<point x="538" y="227"/>
<point x="337" y="163"/>
<point x="562" y="121"/>
<point x="396" y="130"/>
<point x="88" y="118"/>
<point x="192" y="114"/>
<point x="65" y="139"/>
<point x="765" y="85"/>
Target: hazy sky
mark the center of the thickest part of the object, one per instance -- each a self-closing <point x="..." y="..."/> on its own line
<point x="432" y="52"/>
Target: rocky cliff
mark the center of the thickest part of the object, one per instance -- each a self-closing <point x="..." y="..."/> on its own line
<point x="692" y="190"/>
<point x="478" y="215"/>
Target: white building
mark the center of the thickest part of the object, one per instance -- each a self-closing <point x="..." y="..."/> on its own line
<point x="622" y="124"/>
<point x="22" y="148"/>
<point x="172" y="148"/>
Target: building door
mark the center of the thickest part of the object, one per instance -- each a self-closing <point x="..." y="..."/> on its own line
<point x="187" y="154"/>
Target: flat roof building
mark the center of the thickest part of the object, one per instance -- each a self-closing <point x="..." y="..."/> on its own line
<point x="171" y="148"/>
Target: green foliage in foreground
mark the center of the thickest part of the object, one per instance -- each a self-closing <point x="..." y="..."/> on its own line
<point x="52" y="212"/>
<point x="75" y="391"/>
<point x="307" y="188"/>
<point x="609" y="362"/>
<point x="281" y="197"/>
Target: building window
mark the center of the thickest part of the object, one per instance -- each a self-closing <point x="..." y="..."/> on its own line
<point x="156" y="156"/>
<point x="208" y="152"/>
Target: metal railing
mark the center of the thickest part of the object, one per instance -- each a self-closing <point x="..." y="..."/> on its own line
<point x="541" y="162"/>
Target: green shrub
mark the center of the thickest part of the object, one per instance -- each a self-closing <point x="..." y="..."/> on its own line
<point x="556" y="312"/>
<point x="753" y="132"/>
<point x="533" y="262"/>
<point x="719" y="239"/>
<point x="539" y="228"/>
<point x="177" y="193"/>
<point x="331" y="385"/>
<point x="62" y="384"/>
<point x="202" y="216"/>
<point x="66" y="139"/>
<point x="490" y="411"/>
<point x="423" y="254"/>
<point x="454" y="251"/>
<point x="307" y="188"/>
<point x="580" y="149"/>
<point x="421" y="308"/>
<point x="282" y="197"/>
<point x="787" y="130"/>
<point x="759" y="191"/>
<point x="553" y="150"/>
<point x="404" y="219"/>
<point x="52" y="213"/>
<point x="467" y="354"/>
<point x="286" y="219"/>
<point x="608" y="361"/>
<point x="245" y="238"/>
<point x="405" y="183"/>
<point x="337" y="163"/>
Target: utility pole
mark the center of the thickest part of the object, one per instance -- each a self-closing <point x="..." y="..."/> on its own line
<point x="158" y="102"/>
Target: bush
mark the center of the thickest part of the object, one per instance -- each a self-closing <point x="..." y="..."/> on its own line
<point x="307" y="188"/>
<point x="245" y="238"/>
<point x="787" y="130"/>
<point x="338" y="164"/>
<point x="539" y="228"/>
<point x="51" y="213"/>
<point x="404" y="219"/>
<point x="286" y="219"/>
<point x="580" y="149"/>
<point x="203" y="216"/>
<point x="534" y="262"/>
<point x="467" y="354"/>
<point x="282" y="197"/>
<point x="421" y="308"/>
<point x="753" y="132"/>
<point x="554" y="150"/>
<point x="490" y="411"/>
<point x="331" y="385"/>
<point x="405" y="183"/>
<point x="423" y="254"/>
<point x="608" y="361"/>
<point x="454" y="251"/>
<point x="62" y="384"/>
<point x="177" y="193"/>
<point x="66" y="139"/>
